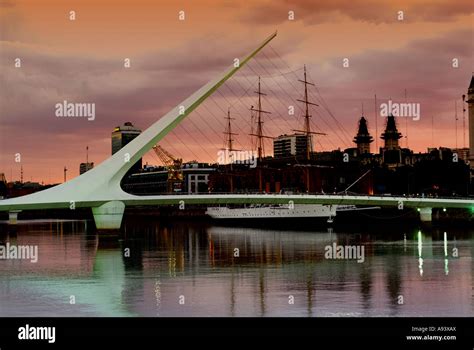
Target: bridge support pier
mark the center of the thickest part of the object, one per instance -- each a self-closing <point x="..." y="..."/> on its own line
<point x="13" y="217"/>
<point x="109" y="215"/>
<point x="425" y="214"/>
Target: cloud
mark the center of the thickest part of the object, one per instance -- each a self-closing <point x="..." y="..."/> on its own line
<point x="423" y="67"/>
<point x="155" y="83"/>
<point x="160" y="79"/>
<point x="316" y="12"/>
<point x="6" y="4"/>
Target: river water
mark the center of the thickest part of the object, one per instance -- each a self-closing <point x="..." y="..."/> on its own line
<point x="196" y="269"/>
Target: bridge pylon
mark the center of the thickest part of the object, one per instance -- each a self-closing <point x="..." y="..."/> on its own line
<point x="99" y="188"/>
<point x="426" y="214"/>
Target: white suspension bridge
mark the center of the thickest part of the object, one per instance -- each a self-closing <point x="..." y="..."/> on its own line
<point x="99" y="188"/>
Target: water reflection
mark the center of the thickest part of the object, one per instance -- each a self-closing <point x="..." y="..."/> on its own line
<point x="420" y="251"/>
<point x="224" y="271"/>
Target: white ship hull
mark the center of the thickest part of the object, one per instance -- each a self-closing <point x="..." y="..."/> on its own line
<point x="297" y="211"/>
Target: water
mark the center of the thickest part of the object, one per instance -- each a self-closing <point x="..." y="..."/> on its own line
<point x="194" y="263"/>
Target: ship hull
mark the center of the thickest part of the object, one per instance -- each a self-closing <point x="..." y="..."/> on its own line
<point x="274" y="216"/>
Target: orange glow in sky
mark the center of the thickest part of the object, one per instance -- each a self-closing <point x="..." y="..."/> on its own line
<point x="428" y="52"/>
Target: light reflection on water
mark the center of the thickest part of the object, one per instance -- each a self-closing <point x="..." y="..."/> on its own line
<point x="277" y="273"/>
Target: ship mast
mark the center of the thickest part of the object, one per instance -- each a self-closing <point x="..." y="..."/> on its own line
<point x="229" y="147"/>
<point x="260" y="136"/>
<point x="307" y="125"/>
<point x="229" y="133"/>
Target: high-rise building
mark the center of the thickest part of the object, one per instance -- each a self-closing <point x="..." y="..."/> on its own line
<point x="83" y="167"/>
<point x="121" y="136"/>
<point x="295" y="145"/>
<point x="363" y="138"/>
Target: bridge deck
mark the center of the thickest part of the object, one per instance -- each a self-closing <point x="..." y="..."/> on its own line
<point x="222" y="199"/>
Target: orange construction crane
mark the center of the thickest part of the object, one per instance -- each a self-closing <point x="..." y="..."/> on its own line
<point x="174" y="166"/>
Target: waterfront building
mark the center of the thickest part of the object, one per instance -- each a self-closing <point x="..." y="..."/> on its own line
<point x="363" y="139"/>
<point x="154" y="180"/>
<point x="391" y="152"/>
<point x="83" y="167"/>
<point x="294" y="145"/>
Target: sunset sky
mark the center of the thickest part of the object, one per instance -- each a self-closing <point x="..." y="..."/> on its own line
<point x="82" y="60"/>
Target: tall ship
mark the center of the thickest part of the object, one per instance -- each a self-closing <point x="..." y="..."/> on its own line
<point x="282" y="213"/>
<point x="300" y="212"/>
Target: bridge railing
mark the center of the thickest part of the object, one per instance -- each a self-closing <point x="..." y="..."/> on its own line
<point x="335" y="194"/>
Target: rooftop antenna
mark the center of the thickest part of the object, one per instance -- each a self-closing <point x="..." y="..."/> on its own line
<point x="406" y="121"/>
<point x="432" y="130"/>
<point x="463" y="121"/>
<point x="65" y="171"/>
<point x="456" y="121"/>
<point x="376" y="128"/>
<point x="87" y="156"/>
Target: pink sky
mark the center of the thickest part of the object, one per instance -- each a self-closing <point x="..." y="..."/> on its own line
<point x="82" y="61"/>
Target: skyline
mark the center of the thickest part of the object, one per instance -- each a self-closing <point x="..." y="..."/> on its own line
<point x="84" y="63"/>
